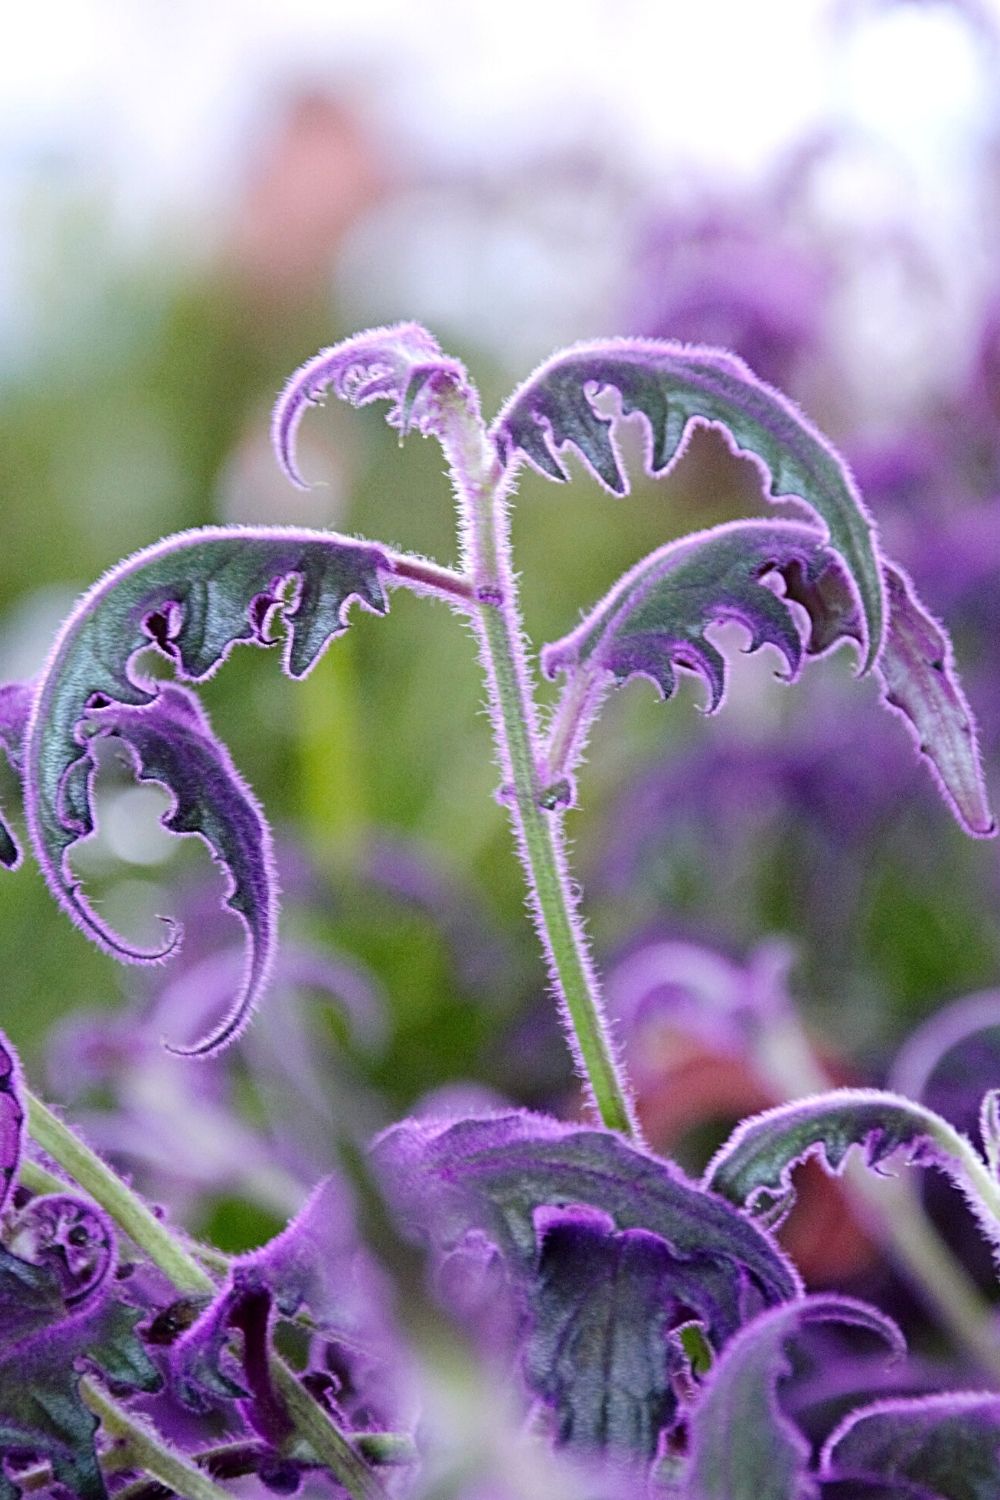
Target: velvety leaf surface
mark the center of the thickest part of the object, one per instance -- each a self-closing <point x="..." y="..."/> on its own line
<point x="657" y="614"/>
<point x="948" y="1443"/>
<point x="193" y="596"/>
<point x="599" y="1351"/>
<point x="492" y="1173"/>
<point x="402" y="364"/>
<point x="172" y="744"/>
<point x="754" y="1167"/>
<point x="743" y="1446"/>
<point x="674" y="387"/>
<point x="919" y="682"/>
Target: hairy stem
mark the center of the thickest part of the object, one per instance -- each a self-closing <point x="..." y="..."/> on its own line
<point x="479" y="484"/>
<point x="313" y="1427"/>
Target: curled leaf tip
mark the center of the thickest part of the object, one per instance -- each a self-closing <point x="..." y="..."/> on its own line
<point x="402" y="364"/>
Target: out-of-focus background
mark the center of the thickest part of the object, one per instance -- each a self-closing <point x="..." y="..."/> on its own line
<point x="193" y="198"/>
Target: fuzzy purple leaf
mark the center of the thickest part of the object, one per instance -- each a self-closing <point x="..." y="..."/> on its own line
<point x="309" y="1264"/>
<point x="15" y="708"/>
<point x="675" y="387"/>
<point x="402" y="364"/>
<point x="919" y="682"/>
<point x="754" y="1167"/>
<point x="492" y="1174"/>
<point x="948" y="1445"/>
<point x="172" y="744"/>
<point x="655" y="617"/>
<point x="193" y="597"/>
<point x="743" y="1446"/>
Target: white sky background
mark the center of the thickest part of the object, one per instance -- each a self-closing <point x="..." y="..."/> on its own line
<point x="153" y="88"/>
<point x="149" y="100"/>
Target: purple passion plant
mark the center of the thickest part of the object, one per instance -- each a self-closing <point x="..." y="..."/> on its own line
<point x="648" y="1322"/>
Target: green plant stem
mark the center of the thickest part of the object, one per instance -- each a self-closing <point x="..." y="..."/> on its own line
<point x="479" y="481"/>
<point x="560" y="935"/>
<point x="313" y="1427"/>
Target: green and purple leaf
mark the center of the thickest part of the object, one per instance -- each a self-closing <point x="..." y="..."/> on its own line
<point x="654" y="620"/>
<point x="675" y="387"/>
<point x="754" y="1167"/>
<point x="42" y="1413"/>
<point x="948" y="1445"/>
<point x="403" y="364"/>
<point x="742" y="1445"/>
<point x="192" y="597"/>
<point x="655" y="617"/>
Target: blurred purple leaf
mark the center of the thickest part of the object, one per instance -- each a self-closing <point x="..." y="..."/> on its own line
<point x="491" y="1174"/>
<point x="675" y="387"/>
<point x="742" y="1445"/>
<point x="308" y="1264"/>
<point x="948" y="1445"/>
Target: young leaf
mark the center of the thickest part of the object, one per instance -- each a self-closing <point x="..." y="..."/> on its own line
<point x="754" y="1166"/>
<point x="74" y="1239"/>
<point x="743" y="1446"/>
<point x="193" y="597"/>
<point x="657" y="614"/>
<point x="655" y="617"/>
<point x="675" y="387"/>
<point x="948" y="1444"/>
<point x="492" y="1173"/>
<point x="919" y="682"/>
<point x="403" y="364"/>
